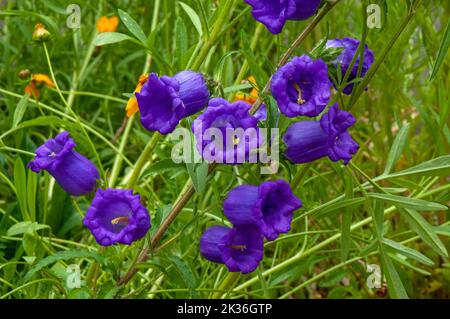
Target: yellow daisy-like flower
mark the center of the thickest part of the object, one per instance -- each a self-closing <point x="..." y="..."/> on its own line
<point x="105" y="24"/>
<point x="41" y="78"/>
<point x="249" y="98"/>
<point x="132" y="105"/>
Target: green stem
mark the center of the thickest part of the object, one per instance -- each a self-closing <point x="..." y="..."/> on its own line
<point x="227" y="283"/>
<point x="213" y="37"/>
<point x="118" y="160"/>
<point x="69" y="108"/>
<point x="143" y="159"/>
<point x="382" y="56"/>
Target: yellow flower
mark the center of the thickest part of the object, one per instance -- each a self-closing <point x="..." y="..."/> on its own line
<point x="43" y="79"/>
<point x="132" y="105"/>
<point x="249" y="98"/>
<point x="105" y="24"/>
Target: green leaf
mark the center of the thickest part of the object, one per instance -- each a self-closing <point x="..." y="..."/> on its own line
<point x="199" y="175"/>
<point x="408" y="202"/>
<point x="63" y="255"/>
<point x="425" y="231"/>
<point x="133" y="27"/>
<point x="31" y="194"/>
<point x="407" y="252"/>
<point x="193" y="16"/>
<point x="394" y="283"/>
<point x="181" y="41"/>
<point x="442" y="53"/>
<point x="41" y="121"/>
<point x="436" y="167"/>
<point x="396" y="149"/>
<point x="20" y="181"/>
<point x="185" y="272"/>
<point x="345" y="203"/>
<point x="161" y="166"/>
<point x="20" y="110"/>
<point x="110" y="37"/>
<point x="24" y="228"/>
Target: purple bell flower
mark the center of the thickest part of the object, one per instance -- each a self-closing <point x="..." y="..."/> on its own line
<point x="164" y="101"/>
<point x="241" y="249"/>
<point x="307" y="141"/>
<point x="350" y="46"/>
<point x="74" y="173"/>
<point x="224" y="117"/>
<point x="270" y="206"/>
<point x="117" y="216"/>
<point x="301" y="87"/>
<point x="274" y="13"/>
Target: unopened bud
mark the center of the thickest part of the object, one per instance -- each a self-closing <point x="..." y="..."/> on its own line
<point x="24" y="74"/>
<point x="41" y="33"/>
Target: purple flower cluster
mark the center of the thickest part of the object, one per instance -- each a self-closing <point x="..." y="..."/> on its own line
<point x="302" y="88"/>
<point x="255" y="212"/>
<point x="164" y="101"/>
<point x="307" y="141"/>
<point x="274" y="13"/>
<point x="115" y="215"/>
<point x="350" y="47"/>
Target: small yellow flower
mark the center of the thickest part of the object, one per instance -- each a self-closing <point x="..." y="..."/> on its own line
<point x="43" y="79"/>
<point x="249" y="98"/>
<point x="105" y="24"/>
<point x="41" y="33"/>
<point x="132" y="105"/>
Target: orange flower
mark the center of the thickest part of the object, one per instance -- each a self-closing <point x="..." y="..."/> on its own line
<point x="132" y="105"/>
<point x="38" y="78"/>
<point x="105" y="24"/>
<point x="32" y="90"/>
<point x="249" y="98"/>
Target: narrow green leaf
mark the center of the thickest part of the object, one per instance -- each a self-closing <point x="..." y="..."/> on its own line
<point x="408" y="202"/>
<point x="20" y="181"/>
<point x="185" y="272"/>
<point x="407" y="252"/>
<point x="193" y="16"/>
<point x="397" y="148"/>
<point x="31" y="194"/>
<point x="63" y="255"/>
<point x="132" y="26"/>
<point x="20" y="110"/>
<point x="442" y="53"/>
<point x="425" y="231"/>
<point x="25" y="227"/>
<point x="345" y="203"/>
<point x="436" y="167"/>
<point x="110" y="37"/>
<point x="394" y="283"/>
